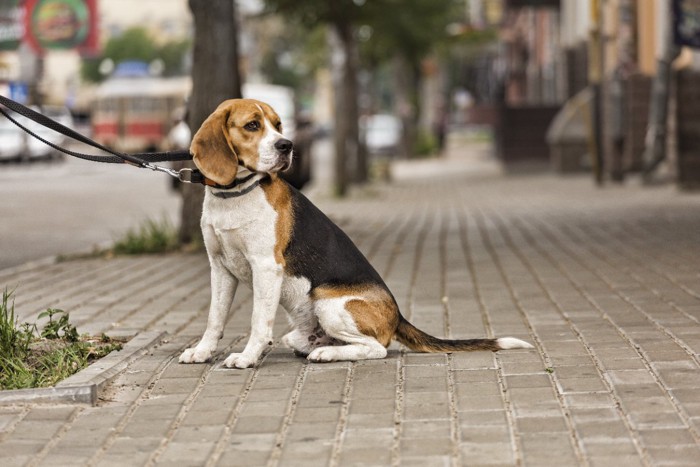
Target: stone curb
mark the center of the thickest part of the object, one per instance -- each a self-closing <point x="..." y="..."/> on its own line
<point x="54" y="259"/>
<point x="84" y="386"/>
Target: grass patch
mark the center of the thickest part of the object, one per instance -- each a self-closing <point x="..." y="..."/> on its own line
<point x="30" y="358"/>
<point x="426" y="144"/>
<point x="150" y="237"/>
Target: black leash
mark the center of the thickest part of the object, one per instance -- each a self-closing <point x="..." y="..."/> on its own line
<point x="142" y="160"/>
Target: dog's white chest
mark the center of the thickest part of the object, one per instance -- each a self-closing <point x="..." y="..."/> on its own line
<point x="243" y="231"/>
<point x="233" y="256"/>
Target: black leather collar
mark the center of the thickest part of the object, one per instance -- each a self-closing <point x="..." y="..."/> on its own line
<point x="237" y="182"/>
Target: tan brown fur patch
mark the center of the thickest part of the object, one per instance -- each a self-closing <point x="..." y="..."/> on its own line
<point x="211" y="148"/>
<point x="279" y="197"/>
<point x="375" y="313"/>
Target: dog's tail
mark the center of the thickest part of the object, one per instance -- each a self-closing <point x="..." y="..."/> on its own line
<point x="419" y="341"/>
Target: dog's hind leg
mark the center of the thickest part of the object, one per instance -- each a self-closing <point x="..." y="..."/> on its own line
<point x="338" y="323"/>
<point x="303" y="342"/>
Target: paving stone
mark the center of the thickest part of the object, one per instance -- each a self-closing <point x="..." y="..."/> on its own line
<point x="426" y="411"/>
<point x="42" y="414"/>
<point x="426" y="447"/>
<point x="641" y="377"/>
<point x="426" y="429"/>
<point x="300" y="453"/>
<point x="482" y="418"/>
<point x="478" y="389"/>
<point x="258" y="424"/>
<point x="138" y="427"/>
<point x="528" y="381"/>
<point x="368" y="438"/>
<point x="475" y="376"/>
<point x="369" y="406"/>
<point x="487" y="453"/>
<point x="206" y="434"/>
<point x="318" y="430"/>
<point x="675" y="454"/>
<point x="185" y="454"/>
<point x="20" y="448"/>
<point x="541" y="424"/>
<point x="371" y="420"/>
<point x="578" y="385"/>
<point x="655" y="420"/>
<point x="549" y="445"/>
<point x="621" y="448"/>
<point x="365" y="456"/>
<point x="476" y="403"/>
<point x="485" y="434"/>
<point x="35" y="429"/>
<point x="668" y="437"/>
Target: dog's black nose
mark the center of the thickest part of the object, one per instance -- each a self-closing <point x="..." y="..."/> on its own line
<point x="284" y="145"/>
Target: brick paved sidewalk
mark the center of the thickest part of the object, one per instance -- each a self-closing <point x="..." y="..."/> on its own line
<point x="605" y="283"/>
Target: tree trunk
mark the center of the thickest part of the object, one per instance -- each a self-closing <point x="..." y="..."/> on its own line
<point x="405" y="82"/>
<point x="347" y="133"/>
<point x="340" y="130"/>
<point x="352" y="92"/>
<point x="215" y="78"/>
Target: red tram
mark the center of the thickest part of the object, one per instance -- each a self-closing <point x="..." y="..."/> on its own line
<point x="136" y="114"/>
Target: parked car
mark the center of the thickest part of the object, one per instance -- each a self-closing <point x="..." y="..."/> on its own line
<point x="381" y="134"/>
<point x="11" y="139"/>
<point x="36" y="149"/>
<point x="17" y="145"/>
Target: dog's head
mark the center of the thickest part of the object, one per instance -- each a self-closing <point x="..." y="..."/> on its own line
<point x="242" y="132"/>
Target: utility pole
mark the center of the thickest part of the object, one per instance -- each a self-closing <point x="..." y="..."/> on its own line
<point x="655" y="144"/>
<point x="595" y="78"/>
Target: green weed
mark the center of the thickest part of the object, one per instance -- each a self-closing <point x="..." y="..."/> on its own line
<point x="14" y="343"/>
<point x="60" y="328"/>
<point x="150" y="237"/>
<point x="28" y="361"/>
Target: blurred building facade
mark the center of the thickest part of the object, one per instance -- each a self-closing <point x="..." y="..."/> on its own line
<point x="555" y="49"/>
<point x="533" y="88"/>
<point x="60" y="82"/>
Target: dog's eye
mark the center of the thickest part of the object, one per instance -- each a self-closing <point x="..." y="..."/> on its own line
<point x="278" y="126"/>
<point x="252" y="126"/>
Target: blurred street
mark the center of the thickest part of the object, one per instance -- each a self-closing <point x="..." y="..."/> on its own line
<point x="603" y="282"/>
<point x="73" y="206"/>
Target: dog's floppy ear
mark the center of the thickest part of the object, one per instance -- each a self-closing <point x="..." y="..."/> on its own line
<point x="212" y="149"/>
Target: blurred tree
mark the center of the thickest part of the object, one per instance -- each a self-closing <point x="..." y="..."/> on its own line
<point x="173" y="54"/>
<point x="137" y="44"/>
<point x="403" y="33"/>
<point x="342" y="16"/>
<point x="291" y="56"/>
<point x="215" y="78"/>
<point x="399" y="33"/>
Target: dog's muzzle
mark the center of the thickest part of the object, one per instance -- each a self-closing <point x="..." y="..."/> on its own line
<point x="284" y="160"/>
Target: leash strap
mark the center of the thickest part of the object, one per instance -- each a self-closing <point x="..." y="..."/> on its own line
<point x="140" y="159"/>
<point x="143" y="160"/>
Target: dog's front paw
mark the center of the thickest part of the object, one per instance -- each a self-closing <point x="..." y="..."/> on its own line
<point x="238" y="360"/>
<point x="195" y="355"/>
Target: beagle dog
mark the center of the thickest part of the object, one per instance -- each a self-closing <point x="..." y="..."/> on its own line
<point x="260" y="231"/>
